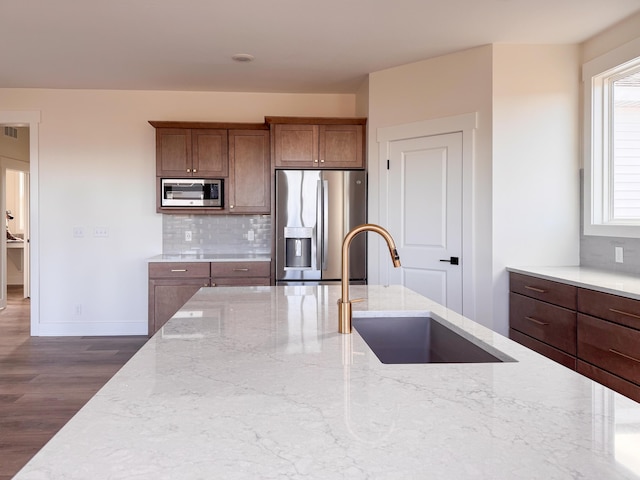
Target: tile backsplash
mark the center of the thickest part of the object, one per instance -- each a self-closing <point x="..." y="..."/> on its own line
<point x="216" y="234"/>
<point x="599" y="252"/>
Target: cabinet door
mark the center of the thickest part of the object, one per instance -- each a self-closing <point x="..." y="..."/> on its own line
<point x="249" y="171"/>
<point x="210" y="153"/>
<point x="296" y="146"/>
<point x="167" y="296"/>
<point x="341" y="146"/>
<point x="173" y="152"/>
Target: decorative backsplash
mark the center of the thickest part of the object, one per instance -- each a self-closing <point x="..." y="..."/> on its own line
<point x="215" y="234"/>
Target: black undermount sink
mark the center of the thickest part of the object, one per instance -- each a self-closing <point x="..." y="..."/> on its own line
<point x="418" y="340"/>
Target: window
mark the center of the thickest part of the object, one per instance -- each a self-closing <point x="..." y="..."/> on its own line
<point x="612" y="143"/>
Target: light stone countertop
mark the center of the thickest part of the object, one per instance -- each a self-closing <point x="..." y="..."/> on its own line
<point x="623" y="284"/>
<point x="256" y="383"/>
<point x="210" y="257"/>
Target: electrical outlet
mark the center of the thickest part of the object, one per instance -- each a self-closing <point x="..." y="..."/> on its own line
<point x="619" y="255"/>
<point x="78" y="232"/>
<point x="100" y="231"/>
<point x="188" y="236"/>
<point x="77" y="310"/>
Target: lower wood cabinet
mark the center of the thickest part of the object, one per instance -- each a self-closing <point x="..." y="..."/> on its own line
<point x="594" y="333"/>
<point x="172" y="284"/>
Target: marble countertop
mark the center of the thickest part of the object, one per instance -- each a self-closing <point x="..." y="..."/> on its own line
<point x="256" y="383"/>
<point x="623" y="284"/>
<point x="210" y="257"/>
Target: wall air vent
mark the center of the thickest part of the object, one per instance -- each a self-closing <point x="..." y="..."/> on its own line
<point x="11" y="132"/>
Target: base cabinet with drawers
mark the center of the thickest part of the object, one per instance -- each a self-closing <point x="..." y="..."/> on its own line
<point x="171" y="284"/>
<point x="597" y="334"/>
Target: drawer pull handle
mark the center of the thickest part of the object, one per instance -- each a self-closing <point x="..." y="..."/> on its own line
<point x="213" y="284"/>
<point x="178" y="269"/>
<point x="539" y="290"/>
<point x="624" y="313"/>
<point x="536" y="321"/>
<point x="240" y="269"/>
<point x="628" y="357"/>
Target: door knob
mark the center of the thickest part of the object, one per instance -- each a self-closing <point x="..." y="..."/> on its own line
<point x="451" y="260"/>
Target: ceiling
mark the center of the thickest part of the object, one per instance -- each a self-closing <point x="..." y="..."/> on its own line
<point x="300" y="46"/>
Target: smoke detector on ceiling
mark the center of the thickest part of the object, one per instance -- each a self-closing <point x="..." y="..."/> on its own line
<point x="243" y="57"/>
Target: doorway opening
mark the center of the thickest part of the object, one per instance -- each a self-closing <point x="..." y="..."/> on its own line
<point x="19" y="153"/>
<point x="16" y="192"/>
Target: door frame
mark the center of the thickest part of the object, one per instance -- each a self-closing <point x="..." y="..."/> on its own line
<point x="32" y="120"/>
<point x="467" y="125"/>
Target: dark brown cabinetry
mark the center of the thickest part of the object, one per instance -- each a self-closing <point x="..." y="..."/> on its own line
<point x="249" y="171"/>
<point x="609" y="340"/>
<point x="542" y="316"/>
<point x="238" y="153"/>
<point x="185" y="152"/>
<point x="595" y="333"/>
<point x="318" y="143"/>
<point x="171" y="284"/>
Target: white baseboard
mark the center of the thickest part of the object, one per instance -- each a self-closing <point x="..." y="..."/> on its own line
<point x="92" y="329"/>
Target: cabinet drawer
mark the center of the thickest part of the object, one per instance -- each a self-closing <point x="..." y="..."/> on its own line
<point x="607" y="379"/>
<point x="240" y="282"/>
<point x="553" y="325"/>
<point x="179" y="270"/>
<point x="240" y="269"/>
<point x="545" y="290"/>
<point x="548" y="351"/>
<point x="611" y="347"/>
<point x="622" y="310"/>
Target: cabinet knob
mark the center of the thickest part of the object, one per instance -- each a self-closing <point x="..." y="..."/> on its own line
<point x="230" y="206"/>
<point x="321" y="161"/>
<point x="188" y="170"/>
<point x="315" y="161"/>
<point x="195" y="170"/>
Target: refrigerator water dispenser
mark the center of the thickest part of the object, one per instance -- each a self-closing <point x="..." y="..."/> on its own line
<point x="297" y="248"/>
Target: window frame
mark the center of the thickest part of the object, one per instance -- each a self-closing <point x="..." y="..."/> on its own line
<point x="597" y="194"/>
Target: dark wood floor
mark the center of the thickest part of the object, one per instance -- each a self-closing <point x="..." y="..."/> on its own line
<point x="44" y="381"/>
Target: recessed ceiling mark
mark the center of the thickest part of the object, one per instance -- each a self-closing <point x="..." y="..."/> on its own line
<point x="243" y="57"/>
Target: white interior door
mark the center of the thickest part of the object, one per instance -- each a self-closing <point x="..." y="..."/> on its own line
<point x="425" y="215"/>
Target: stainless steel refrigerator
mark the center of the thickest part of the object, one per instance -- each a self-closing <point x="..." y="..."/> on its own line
<point x="315" y="209"/>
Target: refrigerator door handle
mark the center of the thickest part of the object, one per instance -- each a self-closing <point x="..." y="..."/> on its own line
<point x="320" y="226"/>
<point x="325" y="223"/>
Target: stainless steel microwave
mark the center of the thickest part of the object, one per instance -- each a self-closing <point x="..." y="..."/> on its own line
<point x="192" y="192"/>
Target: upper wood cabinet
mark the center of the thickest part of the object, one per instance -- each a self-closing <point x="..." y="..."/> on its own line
<point x="249" y="171"/>
<point x="185" y="152"/>
<point x="318" y="142"/>
<point x="239" y="153"/>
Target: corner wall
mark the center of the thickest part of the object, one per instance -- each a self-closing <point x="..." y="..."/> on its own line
<point x="535" y="162"/>
<point x="454" y="84"/>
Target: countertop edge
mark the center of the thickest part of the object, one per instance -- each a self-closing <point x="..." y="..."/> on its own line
<point x="615" y="283"/>
<point x="225" y="257"/>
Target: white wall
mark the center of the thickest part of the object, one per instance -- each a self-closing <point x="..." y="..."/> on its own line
<point x="611" y="38"/>
<point x="525" y="170"/>
<point x="536" y="181"/>
<point x="450" y="85"/>
<point x="97" y="168"/>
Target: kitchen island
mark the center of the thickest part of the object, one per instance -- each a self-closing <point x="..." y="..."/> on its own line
<point x="256" y="383"/>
